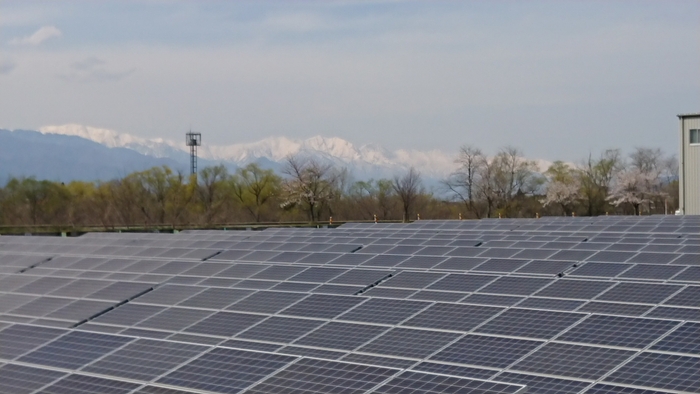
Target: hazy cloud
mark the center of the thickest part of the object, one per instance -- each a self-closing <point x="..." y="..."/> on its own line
<point x="88" y="63"/>
<point x="6" y="66"/>
<point x="93" y="69"/>
<point x="39" y="36"/>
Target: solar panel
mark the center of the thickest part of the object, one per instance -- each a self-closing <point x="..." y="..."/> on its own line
<point x="384" y="311"/>
<point x="174" y="319"/>
<point x="364" y="277"/>
<point x="530" y="323"/>
<point x="486" y="351"/>
<point x="341" y="336"/>
<point x="224" y="324"/>
<point x="160" y="390"/>
<point x="19" y="379"/>
<point x="511" y="285"/>
<point x="80" y="310"/>
<point x="610" y="389"/>
<point x="423" y="383"/>
<point x="41" y="306"/>
<point x="652" y="271"/>
<point x="304" y="351"/>
<point x="618" y="331"/>
<point x="145" y="359"/>
<point x="558" y="304"/>
<point x="551" y="304"/>
<point x="322" y="306"/>
<point x="639" y="293"/>
<point x="576" y="361"/>
<point x="412" y="280"/>
<point x="692" y="314"/>
<point x="319" y="376"/>
<point x="266" y="302"/>
<point x="388" y="292"/>
<point x="242" y="369"/>
<point x="280" y="329"/>
<point x="615" y="308"/>
<point x="19" y="339"/>
<point x="501" y="265"/>
<point x="128" y="314"/>
<point x="214" y="298"/>
<point x="663" y="371"/>
<point x="455" y="370"/>
<point x="492" y="300"/>
<point x="543" y="384"/>
<point x="685" y="339"/>
<point x="403" y="342"/>
<point x="75" y="350"/>
<point x="686" y="297"/>
<point x="453" y="317"/>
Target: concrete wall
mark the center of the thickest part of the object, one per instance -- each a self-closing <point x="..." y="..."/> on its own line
<point x="689" y="168"/>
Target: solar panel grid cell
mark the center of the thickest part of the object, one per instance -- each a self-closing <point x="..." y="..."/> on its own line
<point x="661" y="371"/>
<point x="530" y="323"/>
<point x="384" y="311"/>
<point x="618" y="331"/>
<point x="422" y="383"/>
<point x="319" y="376"/>
<point x="226" y="370"/>
<point x="145" y="359"/>
<point x="341" y="336"/>
<point x="639" y="293"/>
<point x="511" y="285"/>
<point x="322" y="306"/>
<point x="574" y="361"/>
<point x="404" y="342"/>
<point x="542" y="384"/>
<point x="486" y="351"/>
<point x="75" y="350"/>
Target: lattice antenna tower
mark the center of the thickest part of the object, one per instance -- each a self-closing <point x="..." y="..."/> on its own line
<point x="193" y="140"/>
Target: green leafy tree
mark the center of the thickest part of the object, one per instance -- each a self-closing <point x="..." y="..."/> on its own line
<point x="254" y="187"/>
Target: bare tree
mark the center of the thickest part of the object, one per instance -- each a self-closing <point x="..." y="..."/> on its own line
<point x="463" y="183"/>
<point x="647" y="160"/>
<point x="311" y="185"/>
<point x="408" y="187"/>
<point x="595" y="177"/>
<point x="509" y="176"/>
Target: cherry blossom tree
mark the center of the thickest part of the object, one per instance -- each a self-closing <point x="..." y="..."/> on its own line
<point x="635" y="187"/>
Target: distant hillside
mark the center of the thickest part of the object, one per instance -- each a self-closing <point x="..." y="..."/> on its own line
<point x="65" y="158"/>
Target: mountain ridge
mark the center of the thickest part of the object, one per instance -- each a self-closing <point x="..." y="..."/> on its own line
<point x="365" y="160"/>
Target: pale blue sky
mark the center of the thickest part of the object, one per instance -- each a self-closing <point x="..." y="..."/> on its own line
<point x="558" y="79"/>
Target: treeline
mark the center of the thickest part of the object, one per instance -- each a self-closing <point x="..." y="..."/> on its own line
<point x="505" y="185"/>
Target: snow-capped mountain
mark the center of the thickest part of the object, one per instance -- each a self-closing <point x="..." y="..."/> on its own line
<point x="364" y="161"/>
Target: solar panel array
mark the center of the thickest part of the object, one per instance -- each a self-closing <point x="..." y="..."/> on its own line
<point x="552" y="305"/>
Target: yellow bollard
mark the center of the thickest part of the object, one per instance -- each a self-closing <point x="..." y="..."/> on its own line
<point x="375" y="218"/>
<point x="460" y="216"/>
<point x="537" y="215"/>
<point x="418" y="216"/>
<point x="499" y="215"/>
<point x="330" y="221"/>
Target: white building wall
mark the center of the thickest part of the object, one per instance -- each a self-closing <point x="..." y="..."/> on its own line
<point x="689" y="181"/>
